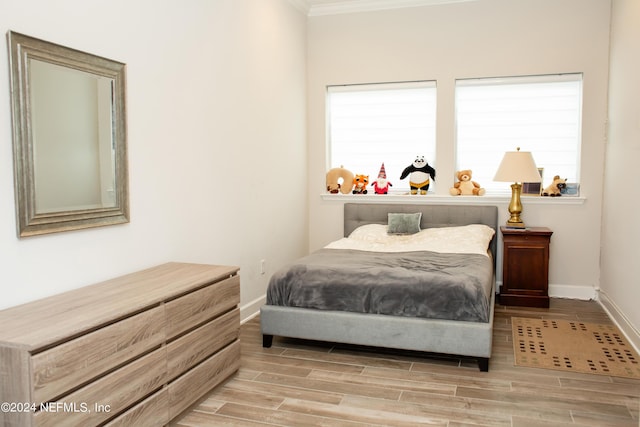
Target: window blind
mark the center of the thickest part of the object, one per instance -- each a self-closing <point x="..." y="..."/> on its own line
<point x="381" y="123"/>
<point x="541" y="114"/>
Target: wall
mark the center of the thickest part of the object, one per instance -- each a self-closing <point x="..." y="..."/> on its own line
<point x="216" y="127"/>
<point x="620" y="231"/>
<point x="476" y="39"/>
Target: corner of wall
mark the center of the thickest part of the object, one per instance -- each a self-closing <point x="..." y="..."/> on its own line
<point x="618" y="317"/>
<point x="251" y="309"/>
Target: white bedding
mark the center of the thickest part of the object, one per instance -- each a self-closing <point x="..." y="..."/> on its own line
<point x="471" y="239"/>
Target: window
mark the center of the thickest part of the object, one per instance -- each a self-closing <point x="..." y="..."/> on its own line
<point x="381" y="123"/>
<point x="392" y="123"/>
<point x="541" y="114"/>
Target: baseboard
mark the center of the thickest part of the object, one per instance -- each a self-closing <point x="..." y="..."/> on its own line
<point x="621" y="321"/>
<point x="572" y="292"/>
<point x="251" y="309"/>
<point x="585" y="293"/>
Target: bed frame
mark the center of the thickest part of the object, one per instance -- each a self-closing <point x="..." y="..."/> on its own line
<point x="472" y="339"/>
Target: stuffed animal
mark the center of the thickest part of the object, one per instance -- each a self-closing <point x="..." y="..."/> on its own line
<point x="556" y="187"/>
<point x="465" y="186"/>
<point x="339" y="180"/>
<point x="419" y="172"/>
<point x="381" y="185"/>
<point x="360" y="184"/>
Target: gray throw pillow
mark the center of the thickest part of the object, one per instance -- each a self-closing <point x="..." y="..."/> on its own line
<point x="404" y="223"/>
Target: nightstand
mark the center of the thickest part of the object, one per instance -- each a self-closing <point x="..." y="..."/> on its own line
<point x="525" y="266"/>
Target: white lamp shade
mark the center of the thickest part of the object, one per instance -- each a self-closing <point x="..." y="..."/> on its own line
<point x="517" y="166"/>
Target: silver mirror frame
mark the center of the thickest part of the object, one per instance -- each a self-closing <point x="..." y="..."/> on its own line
<point x="29" y="222"/>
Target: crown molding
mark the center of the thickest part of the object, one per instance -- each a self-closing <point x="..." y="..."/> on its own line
<point x="302" y="5"/>
<point x="353" y="6"/>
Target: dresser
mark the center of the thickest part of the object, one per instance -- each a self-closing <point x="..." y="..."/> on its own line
<point x="135" y="350"/>
<point x="525" y="266"/>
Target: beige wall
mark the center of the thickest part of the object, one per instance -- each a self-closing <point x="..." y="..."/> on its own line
<point x="621" y="230"/>
<point x="475" y="39"/>
<point x="217" y="152"/>
<point x="213" y="163"/>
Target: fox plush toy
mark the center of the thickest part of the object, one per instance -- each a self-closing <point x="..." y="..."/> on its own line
<point x="360" y="184"/>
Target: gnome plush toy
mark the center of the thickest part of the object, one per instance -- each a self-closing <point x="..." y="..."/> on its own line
<point x="381" y="185"/>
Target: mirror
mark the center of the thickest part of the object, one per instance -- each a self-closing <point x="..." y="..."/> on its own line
<point x="69" y="137"/>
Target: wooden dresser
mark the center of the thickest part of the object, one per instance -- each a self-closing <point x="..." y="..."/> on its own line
<point x="135" y="350"/>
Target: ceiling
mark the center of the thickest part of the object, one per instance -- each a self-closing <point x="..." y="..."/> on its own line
<point x="332" y="7"/>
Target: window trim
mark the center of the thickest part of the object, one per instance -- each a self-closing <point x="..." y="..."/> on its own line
<point x="506" y="80"/>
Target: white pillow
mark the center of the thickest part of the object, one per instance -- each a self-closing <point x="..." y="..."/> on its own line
<point x="473" y="238"/>
<point x="369" y="232"/>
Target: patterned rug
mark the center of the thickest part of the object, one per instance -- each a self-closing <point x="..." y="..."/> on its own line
<point x="573" y="346"/>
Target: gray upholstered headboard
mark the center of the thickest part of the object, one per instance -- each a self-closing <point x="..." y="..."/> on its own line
<point x="357" y="214"/>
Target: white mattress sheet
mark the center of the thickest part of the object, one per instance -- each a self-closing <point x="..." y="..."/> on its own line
<point x="472" y="239"/>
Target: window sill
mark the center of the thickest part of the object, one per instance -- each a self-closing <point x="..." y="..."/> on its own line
<point x="450" y="200"/>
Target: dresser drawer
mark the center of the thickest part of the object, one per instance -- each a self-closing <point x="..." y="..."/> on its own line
<point x="187" y="389"/>
<point x="73" y="363"/>
<point x="113" y="392"/>
<point x="151" y="412"/>
<point x="199" y="344"/>
<point x="197" y="307"/>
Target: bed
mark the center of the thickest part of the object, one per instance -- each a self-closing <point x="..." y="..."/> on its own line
<point x="349" y="293"/>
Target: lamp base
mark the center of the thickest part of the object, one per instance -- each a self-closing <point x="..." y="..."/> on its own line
<point x="515" y="207"/>
<point x="515" y="225"/>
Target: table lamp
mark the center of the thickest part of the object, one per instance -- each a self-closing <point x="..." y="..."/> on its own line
<point x="517" y="167"/>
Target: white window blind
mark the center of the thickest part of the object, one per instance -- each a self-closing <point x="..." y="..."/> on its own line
<point x="541" y="114"/>
<point x="388" y="123"/>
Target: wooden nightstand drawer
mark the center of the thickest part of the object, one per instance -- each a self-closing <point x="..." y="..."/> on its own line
<point x="73" y="363"/>
<point x="197" y="307"/>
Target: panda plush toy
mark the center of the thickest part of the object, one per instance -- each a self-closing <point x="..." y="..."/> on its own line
<point x="420" y="175"/>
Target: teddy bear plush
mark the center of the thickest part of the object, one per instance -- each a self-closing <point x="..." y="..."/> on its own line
<point x="465" y="186"/>
<point x="556" y="187"/>
<point x="339" y="180"/>
<point x="360" y="184"/>
<point x="419" y="172"/>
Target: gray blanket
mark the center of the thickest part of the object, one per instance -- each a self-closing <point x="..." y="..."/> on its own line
<point x="413" y="284"/>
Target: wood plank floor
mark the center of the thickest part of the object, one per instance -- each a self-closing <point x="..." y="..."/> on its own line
<point x="301" y="383"/>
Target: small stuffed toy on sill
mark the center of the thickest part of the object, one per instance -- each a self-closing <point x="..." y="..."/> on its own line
<point x="381" y="185"/>
<point x="339" y="180"/>
<point x="419" y="172"/>
<point x="465" y="186"/>
<point x="360" y="184"/>
<point x="556" y="187"/>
